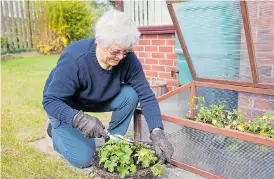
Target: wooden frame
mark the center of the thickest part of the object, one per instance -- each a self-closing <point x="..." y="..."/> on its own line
<point x="248" y="137"/>
<point x="255" y="78"/>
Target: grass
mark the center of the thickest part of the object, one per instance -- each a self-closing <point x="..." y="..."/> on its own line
<point x="23" y="121"/>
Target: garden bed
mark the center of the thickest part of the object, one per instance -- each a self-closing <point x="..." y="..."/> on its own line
<point x="118" y="159"/>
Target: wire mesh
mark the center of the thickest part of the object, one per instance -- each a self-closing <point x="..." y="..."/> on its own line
<point x="215" y="38"/>
<point x="219" y="155"/>
<point x="223" y="156"/>
<point x="176" y="105"/>
<point x="262" y="19"/>
<point x="251" y="105"/>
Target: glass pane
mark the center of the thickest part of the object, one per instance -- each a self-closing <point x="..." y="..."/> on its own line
<point x="215" y="38"/>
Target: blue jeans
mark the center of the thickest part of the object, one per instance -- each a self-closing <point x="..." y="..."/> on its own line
<point x="79" y="150"/>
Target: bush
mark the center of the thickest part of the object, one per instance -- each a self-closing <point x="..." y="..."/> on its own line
<point x="68" y="21"/>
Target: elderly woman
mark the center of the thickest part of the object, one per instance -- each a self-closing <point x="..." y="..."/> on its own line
<point x="98" y="75"/>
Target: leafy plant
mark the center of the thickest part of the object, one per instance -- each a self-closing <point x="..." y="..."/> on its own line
<point x="218" y="116"/>
<point x="65" y="21"/>
<point x="125" y="159"/>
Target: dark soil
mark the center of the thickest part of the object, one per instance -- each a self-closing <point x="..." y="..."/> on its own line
<point x="103" y="173"/>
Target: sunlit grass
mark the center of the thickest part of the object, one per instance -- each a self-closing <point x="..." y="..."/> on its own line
<point x="23" y="120"/>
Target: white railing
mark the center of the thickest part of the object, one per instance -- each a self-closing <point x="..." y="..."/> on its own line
<point x="148" y="12"/>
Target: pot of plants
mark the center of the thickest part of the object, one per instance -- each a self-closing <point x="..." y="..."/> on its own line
<point x="117" y="159"/>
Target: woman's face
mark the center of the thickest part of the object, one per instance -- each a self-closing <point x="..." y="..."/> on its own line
<point x="113" y="54"/>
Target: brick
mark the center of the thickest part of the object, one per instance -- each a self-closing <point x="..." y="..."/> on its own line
<point x="266" y="22"/>
<point x="138" y="48"/>
<point x="263" y="35"/>
<point x="144" y="54"/>
<point x="165" y="75"/>
<point x="170" y="42"/>
<point x="165" y="36"/>
<point x="151" y="74"/>
<point x="158" y="55"/>
<point x="263" y="97"/>
<point x="151" y="61"/>
<point x="265" y="71"/>
<point x="158" y="68"/>
<point x="144" y="42"/>
<point x="169" y="68"/>
<point x="146" y="67"/>
<point x="142" y="60"/>
<point x="266" y="10"/>
<point x="246" y="112"/>
<point x="172" y="82"/>
<point x="245" y="102"/>
<point x="158" y="42"/>
<point x="171" y="56"/>
<point x="263" y="47"/>
<point x="267" y="80"/>
<point x="264" y="105"/>
<point x="257" y="113"/>
<point x="253" y="9"/>
<point x="166" y="49"/>
<point x="166" y="62"/>
<point x="150" y="36"/>
<point x="151" y="48"/>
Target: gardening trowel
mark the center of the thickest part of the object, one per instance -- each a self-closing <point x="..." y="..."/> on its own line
<point x="127" y="140"/>
<point x="119" y="137"/>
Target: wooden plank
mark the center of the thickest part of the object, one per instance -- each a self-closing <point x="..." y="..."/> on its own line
<point x="140" y="12"/>
<point x="23" y="24"/>
<point x="158" y="12"/>
<point x="137" y="125"/>
<point x="18" y="24"/>
<point x="132" y="10"/>
<point x="13" y="25"/>
<point x="244" y="136"/>
<point x="151" y="10"/>
<point x="249" y="41"/>
<point x="237" y="84"/>
<point x="182" y="41"/>
<point x="193" y="103"/>
<point x="194" y="170"/>
<point x="3" y="27"/>
<point x="136" y="12"/>
<point x="145" y="13"/>
<point x="7" y="23"/>
<point x="165" y="14"/>
<point x="174" y="1"/>
<point x="36" y="31"/>
<point x="28" y="23"/>
<point x="253" y="90"/>
<point x="173" y="92"/>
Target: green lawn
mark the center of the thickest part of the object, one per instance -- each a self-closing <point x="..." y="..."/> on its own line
<point x="23" y="120"/>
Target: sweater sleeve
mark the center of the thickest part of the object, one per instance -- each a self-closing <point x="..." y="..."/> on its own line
<point x="62" y="84"/>
<point x="135" y="77"/>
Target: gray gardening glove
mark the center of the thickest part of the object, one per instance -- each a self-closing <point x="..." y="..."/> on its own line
<point x="90" y="126"/>
<point x="162" y="146"/>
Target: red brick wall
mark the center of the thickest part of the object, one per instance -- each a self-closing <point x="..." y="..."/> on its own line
<point x="262" y="25"/>
<point x="156" y="53"/>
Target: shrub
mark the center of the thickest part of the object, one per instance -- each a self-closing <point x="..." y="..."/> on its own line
<point x="67" y="21"/>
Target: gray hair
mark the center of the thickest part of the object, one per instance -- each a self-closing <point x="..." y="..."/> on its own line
<point x="116" y="27"/>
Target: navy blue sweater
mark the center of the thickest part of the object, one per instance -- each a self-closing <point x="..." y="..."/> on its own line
<point x="78" y="81"/>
